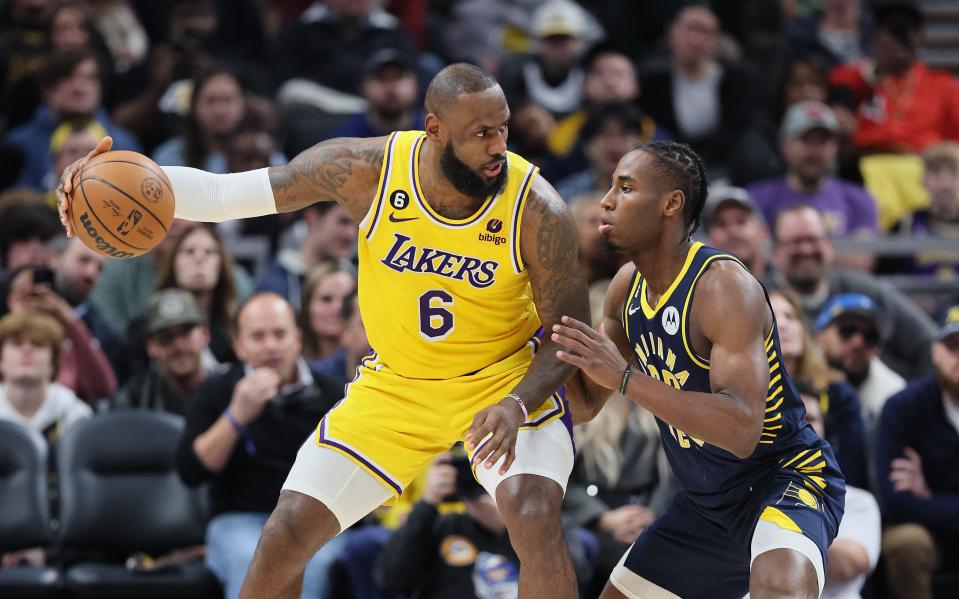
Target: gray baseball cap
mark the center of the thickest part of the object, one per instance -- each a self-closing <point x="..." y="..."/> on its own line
<point x="170" y="308"/>
<point x="728" y="195"/>
<point x="806" y="116"/>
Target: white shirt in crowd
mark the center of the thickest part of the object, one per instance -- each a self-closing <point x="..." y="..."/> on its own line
<point x="61" y="408"/>
<point x="860" y="523"/>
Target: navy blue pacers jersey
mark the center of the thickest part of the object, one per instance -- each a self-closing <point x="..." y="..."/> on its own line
<point x="713" y="477"/>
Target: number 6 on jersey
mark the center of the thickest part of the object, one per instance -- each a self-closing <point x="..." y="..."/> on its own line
<point x="436" y="321"/>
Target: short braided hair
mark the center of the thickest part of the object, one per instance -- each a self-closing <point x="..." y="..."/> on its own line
<point x="681" y="168"/>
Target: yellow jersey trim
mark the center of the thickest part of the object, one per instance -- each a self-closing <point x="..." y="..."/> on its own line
<point x="368" y="224"/>
<point x="519" y="265"/>
<point x="650" y="311"/>
<point x="629" y="300"/>
<point x="425" y="205"/>
<point x="697" y="359"/>
<point x="777" y="517"/>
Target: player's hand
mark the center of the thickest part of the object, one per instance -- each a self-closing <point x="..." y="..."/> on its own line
<point x="440" y="480"/>
<point x="906" y="474"/>
<point x="66" y="182"/>
<point x="591" y="351"/>
<point x="501" y="423"/>
<point x="252" y="394"/>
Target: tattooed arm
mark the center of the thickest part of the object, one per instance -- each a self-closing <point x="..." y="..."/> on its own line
<point x="344" y="170"/>
<point x="549" y="248"/>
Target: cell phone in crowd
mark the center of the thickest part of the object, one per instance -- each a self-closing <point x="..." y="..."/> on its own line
<point x="43" y="276"/>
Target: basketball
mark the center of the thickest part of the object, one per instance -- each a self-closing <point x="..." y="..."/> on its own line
<point x="121" y="204"/>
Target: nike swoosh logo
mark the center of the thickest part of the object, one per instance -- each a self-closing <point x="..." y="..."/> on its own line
<point x="633" y="310"/>
<point x="393" y="218"/>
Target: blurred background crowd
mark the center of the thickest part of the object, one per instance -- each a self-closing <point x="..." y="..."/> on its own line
<point x="830" y="133"/>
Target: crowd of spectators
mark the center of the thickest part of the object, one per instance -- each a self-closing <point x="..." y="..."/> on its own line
<point x="827" y="142"/>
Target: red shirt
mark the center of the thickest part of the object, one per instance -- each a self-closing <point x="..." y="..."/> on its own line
<point x="901" y="113"/>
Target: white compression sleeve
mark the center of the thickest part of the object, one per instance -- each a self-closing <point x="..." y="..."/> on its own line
<point x="205" y="197"/>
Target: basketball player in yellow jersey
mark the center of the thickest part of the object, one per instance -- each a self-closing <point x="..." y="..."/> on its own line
<point x="465" y="253"/>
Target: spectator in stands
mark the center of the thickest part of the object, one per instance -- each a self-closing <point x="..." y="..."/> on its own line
<point x="700" y="100"/>
<point x="734" y="223"/>
<point x="180" y="358"/>
<point x="467" y="555"/>
<point x="838" y="400"/>
<point x="83" y="367"/>
<point x="324" y="291"/>
<point x="71" y="82"/>
<point x="354" y="345"/>
<point x="620" y="482"/>
<point x="610" y="131"/>
<point x="69" y="142"/>
<point x="26" y="225"/>
<point x="941" y="219"/>
<point x="530" y="128"/>
<point x="330" y="42"/>
<point x="243" y="430"/>
<point x="330" y="237"/>
<point x="916" y="452"/>
<point x="837" y="33"/>
<point x="902" y="105"/>
<point x="23" y="49"/>
<point x="30" y="351"/>
<point x="71" y="26"/>
<point x="851" y="330"/>
<point x="854" y="552"/>
<point x="809" y="143"/>
<point x="201" y="264"/>
<point x="596" y="259"/>
<point x="610" y="78"/>
<point x="804" y="259"/>
<point x="551" y="76"/>
<point x="75" y="275"/>
<point x="217" y="109"/>
<point x="391" y="91"/>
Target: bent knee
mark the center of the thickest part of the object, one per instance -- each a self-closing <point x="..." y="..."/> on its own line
<point x="783" y="574"/>
<point x="299" y="522"/>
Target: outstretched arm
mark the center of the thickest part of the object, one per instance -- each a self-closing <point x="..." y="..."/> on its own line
<point x="343" y="170"/>
<point x="548" y="245"/>
<point x="730" y="416"/>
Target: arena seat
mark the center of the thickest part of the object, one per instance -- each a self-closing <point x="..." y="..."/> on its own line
<point x="25" y="511"/>
<point x="120" y="494"/>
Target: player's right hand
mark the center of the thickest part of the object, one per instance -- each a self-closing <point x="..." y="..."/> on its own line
<point x="252" y="394"/>
<point x="66" y="182"/>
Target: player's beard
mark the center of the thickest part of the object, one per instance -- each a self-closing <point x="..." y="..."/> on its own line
<point x="465" y="180"/>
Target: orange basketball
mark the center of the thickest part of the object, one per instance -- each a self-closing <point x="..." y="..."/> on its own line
<point x="122" y="204"/>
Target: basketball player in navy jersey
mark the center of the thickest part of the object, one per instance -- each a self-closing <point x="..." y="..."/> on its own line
<point x="688" y="333"/>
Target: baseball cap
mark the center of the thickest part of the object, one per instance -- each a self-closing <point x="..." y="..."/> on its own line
<point x="948" y="322"/>
<point x="727" y="194"/>
<point x="559" y="17"/>
<point x="386" y="56"/>
<point x="850" y="303"/>
<point x="170" y="308"/>
<point x="805" y="116"/>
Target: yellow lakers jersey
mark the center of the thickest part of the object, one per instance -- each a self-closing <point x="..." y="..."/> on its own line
<point x="439" y="297"/>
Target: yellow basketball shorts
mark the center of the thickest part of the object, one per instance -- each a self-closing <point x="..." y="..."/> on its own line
<point x="392" y="426"/>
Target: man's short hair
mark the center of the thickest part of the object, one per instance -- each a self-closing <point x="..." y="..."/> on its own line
<point x="23" y="221"/>
<point x="628" y="115"/>
<point x="453" y="81"/>
<point x="36" y="328"/>
<point x="60" y="65"/>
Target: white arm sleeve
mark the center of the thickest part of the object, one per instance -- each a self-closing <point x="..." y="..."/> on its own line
<point x="205" y="197"/>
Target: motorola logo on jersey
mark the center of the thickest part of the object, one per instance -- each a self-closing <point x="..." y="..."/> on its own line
<point x="404" y="256"/>
<point x="671" y="320"/>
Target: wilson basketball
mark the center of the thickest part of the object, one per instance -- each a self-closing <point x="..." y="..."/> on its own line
<point x="122" y="204"/>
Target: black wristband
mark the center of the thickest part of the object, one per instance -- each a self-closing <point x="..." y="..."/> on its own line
<point x="625" y="381"/>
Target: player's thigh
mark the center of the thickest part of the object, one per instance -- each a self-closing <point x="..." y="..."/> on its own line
<point x="546" y="452"/>
<point x="340" y="484"/>
<point x="683" y="554"/>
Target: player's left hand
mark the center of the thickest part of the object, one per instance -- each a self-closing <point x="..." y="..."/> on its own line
<point x="591" y="351"/>
<point x="501" y="420"/>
